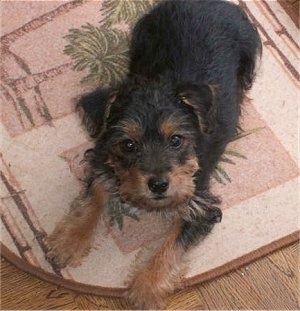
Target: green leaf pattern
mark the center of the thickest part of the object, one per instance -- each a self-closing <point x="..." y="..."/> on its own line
<point x="103" y="50"/>
<point x="116" y="210"/>
<point x="124" y="11"/>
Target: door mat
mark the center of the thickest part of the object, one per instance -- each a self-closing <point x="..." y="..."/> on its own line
<point x="53" y="51"/>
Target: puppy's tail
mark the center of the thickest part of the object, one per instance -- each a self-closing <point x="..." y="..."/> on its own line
<point x="250" y="52"/>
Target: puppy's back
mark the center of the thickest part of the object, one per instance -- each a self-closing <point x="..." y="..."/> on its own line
<point x="192" y="38"/>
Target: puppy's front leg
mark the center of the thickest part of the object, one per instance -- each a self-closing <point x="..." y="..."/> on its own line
<point x="72" y="237"/>
<point x="156" y="277"/>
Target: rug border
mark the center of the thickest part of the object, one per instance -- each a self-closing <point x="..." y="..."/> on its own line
<point x="119" y="292"/>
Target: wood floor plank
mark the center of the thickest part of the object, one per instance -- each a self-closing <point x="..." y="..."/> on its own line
<point x="85" y="302"/>
<point x="187" y="299"/>
<point x="22" y="291"/>
<point x="271" y="283"/>
<point x="231" y="292"/>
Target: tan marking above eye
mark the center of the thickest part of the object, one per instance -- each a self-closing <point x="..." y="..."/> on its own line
<point x="167" y="128"/>
<point x="132" y="130"/>
<point x="174" y="125"/>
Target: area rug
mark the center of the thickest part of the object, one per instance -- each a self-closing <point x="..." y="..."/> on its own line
<point x="53" y="51"/>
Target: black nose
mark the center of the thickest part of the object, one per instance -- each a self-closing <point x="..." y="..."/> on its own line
<point x="158" y="184"/>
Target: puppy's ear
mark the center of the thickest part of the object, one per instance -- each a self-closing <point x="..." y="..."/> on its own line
<point x="95" y="108"/>
<point x="201" y="98"/>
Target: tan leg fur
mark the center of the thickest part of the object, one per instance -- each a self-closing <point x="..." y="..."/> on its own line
<point x="71" y="239"/>
<point x="156" y="278"/>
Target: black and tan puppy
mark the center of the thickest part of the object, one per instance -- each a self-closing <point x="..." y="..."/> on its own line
<point x="159" y="134"/>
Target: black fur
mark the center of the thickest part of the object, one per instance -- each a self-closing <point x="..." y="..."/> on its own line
<point x="203" y="52"/>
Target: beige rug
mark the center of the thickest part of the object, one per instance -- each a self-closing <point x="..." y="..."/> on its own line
<point x="51" y="52"/>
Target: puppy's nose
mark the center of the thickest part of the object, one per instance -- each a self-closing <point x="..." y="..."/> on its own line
<point x="158" y="184"/>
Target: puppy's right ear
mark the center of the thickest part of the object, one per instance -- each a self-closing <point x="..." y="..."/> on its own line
<point x="95" y="108"/>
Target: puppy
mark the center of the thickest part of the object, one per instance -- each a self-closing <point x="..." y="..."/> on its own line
<point x="159" y="134"/>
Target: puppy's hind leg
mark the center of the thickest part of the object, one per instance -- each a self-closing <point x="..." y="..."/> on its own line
<point x="72" y="237"/>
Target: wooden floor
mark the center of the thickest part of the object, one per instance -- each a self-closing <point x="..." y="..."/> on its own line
<point x="270" y="283"/>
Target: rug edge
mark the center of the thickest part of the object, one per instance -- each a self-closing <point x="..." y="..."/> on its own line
<point x="119" y="292"/>
<point x="243" y="260"/>
<point x="57" y="280"/>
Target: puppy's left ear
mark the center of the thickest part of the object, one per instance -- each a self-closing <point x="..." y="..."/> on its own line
<point x="95" y="108"/>
<point x="201" y="98"/>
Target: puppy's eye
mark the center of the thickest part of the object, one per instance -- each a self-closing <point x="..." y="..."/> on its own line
<point x="129" y="145"/>
<point x="176" y="141"/>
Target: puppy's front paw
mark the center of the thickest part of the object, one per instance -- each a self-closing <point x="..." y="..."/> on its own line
<point x="148" y="301"/>
<point x="67" y="247"/>
<point x="146" y="294"/>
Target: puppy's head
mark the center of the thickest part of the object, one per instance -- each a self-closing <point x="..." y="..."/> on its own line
<point x="149" y="135"/>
